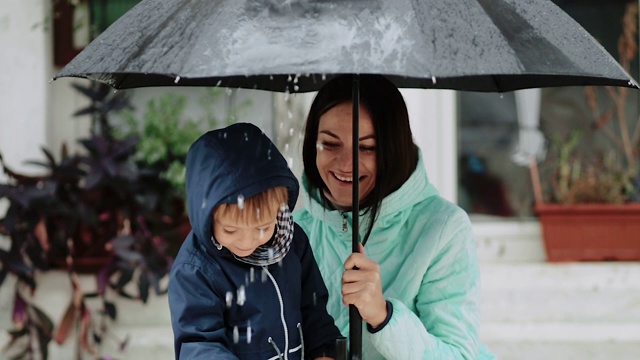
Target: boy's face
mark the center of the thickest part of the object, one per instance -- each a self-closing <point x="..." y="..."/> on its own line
<point x="242" y="239"/>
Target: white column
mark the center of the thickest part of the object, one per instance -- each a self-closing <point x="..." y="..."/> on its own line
<point x="433" y="116"/>
<point x="25" y="60"/>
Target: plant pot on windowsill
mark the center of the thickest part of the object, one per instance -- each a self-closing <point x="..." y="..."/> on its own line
<point x="590" y="232"/>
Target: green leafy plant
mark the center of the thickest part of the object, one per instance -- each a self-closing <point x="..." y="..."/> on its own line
<point x="166" y="133"/>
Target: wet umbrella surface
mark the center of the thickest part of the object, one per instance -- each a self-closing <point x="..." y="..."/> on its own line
<point x="297" y="45"/>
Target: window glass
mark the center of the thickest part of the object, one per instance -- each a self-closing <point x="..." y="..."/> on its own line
<point x="492" y="127"/>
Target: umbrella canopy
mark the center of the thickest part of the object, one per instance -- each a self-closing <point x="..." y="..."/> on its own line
<point x="296" y="45"/>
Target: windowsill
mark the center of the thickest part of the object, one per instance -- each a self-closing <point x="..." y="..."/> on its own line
<point x="502" y="239"/>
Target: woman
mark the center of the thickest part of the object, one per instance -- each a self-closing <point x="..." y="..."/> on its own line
<point x="417" y="282"/>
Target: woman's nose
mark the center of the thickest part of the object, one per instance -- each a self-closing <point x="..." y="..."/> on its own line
<point x="345" y="158"/>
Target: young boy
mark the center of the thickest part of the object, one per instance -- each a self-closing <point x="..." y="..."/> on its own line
<point x="245" y="284"/>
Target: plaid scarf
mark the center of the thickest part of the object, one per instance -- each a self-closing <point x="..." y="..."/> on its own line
<point x="275" y="249"/>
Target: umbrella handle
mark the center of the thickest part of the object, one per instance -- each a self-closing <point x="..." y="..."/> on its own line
<point x="355" y="320"/>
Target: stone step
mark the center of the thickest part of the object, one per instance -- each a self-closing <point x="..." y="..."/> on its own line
<point x="562" y="340"/>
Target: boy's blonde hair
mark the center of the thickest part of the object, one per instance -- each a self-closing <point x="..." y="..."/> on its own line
<point x="256" y="209"/>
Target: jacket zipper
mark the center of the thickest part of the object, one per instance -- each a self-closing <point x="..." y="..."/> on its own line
<point x="284" y="322"/>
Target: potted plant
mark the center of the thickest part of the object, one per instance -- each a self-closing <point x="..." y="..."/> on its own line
<point x="91" y="213"/>
<point x="589" y="204"/>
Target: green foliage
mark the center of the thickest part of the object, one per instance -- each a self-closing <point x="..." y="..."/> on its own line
<point x="166" y="133"/>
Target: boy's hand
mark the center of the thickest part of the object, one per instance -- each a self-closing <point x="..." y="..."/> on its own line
<point x="363" y="288"/>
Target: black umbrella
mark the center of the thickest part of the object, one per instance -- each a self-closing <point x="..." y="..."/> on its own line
<point x="297" y="45"/>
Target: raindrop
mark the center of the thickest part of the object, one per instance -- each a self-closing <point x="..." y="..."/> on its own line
<point x="246" y="137"/>
<point x="291" y="131"/>
<point x="229" y="298"/>
<point x="219" y="83"/>
<point x="204" y="203"/>
<point x="249" y="332"/>
<point x="252" y="275"/>
<point x="262" y="233"/>
<point x="319" y="147"/>
<point x="224" y="135"/>
<point x="296" y="87"/>
<point x="241" y="202"/>
<point x="289" y="78"/>
<point x="270" y="253"/>
<point x="501" y="96"/>
<point x="324" y="77"/>
<point x="281" y="124"/>
<point x="115" y="91"/>
<point x="242" y="297"/>
<point x="51" y="80"/>
<point x="286" y="147"/>
<point x="433" y="80"/>
<point x="270" y="77"/>
<point x="315" y="300"/>
<point x="263" y="275"/>
<point x="228" y="91"/>
<point x="295" y="81"/>
<point x="290" y="163"/>
<point x="176" y="80"/>
<point x="269" y="154"/>
<point x="236" y="335"/>
<point x="258" y="213"/>
<point x="286" y="95"/>
<point x="289" y="114"/>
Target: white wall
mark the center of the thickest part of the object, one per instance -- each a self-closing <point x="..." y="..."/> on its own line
<point x="25" y="59"/>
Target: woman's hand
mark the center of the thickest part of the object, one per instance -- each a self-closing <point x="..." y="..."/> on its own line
<point x="363" y="288"/>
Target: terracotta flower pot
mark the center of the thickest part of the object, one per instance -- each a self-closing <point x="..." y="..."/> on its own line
<point x="590" y="232"/>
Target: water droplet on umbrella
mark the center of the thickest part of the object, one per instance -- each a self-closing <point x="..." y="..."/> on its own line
<point x="289" y="78"/>
<point x="433" y="80"/>
<point x="319" y="147"/>
<point x="228" y="298"/>
<point x="176" y="80"/>
<point x="242" y="297"/>
<point x="295" y="80"/>
<point x="324" y="77"/>
<point x="249" y="332"/>
<point x="270" y="77"/>
<point x="296" y="87"/>
<point x="236" y="335"/>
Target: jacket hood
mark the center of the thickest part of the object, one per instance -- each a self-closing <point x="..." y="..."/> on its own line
<point x="229" y="165"/>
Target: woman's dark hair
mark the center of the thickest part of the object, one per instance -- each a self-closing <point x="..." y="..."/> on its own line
<point x="396" y="153"/>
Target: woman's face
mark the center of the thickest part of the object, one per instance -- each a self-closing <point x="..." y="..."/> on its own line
<point x="335" y="154"/>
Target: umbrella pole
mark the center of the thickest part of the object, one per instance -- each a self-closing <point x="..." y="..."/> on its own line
<point x="355" y="320"/>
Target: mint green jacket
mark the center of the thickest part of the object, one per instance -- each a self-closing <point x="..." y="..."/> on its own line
<point x="428" y="264"/>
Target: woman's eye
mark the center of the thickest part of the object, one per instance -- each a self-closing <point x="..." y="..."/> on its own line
<point x="328" y="145"/>
<point x="229" y="231"/>
<point x="367" y="149"/>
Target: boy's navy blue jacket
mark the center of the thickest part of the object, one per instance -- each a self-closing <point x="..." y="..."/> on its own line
<point x="222" y="308"/>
